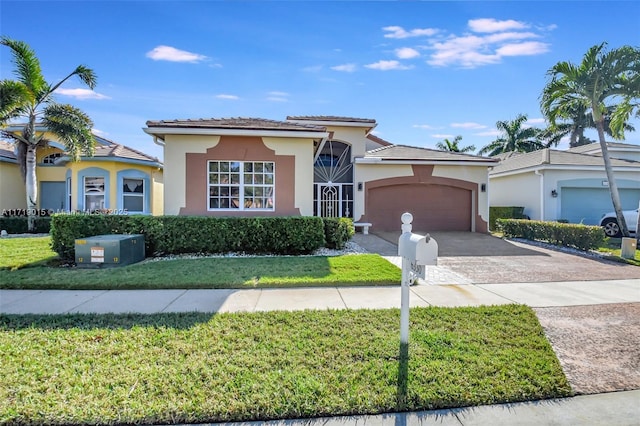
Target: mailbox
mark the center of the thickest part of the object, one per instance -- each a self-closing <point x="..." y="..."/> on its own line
<point x="421" y="249"/>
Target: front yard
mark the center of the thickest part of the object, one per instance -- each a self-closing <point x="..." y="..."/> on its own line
<point x="192" y="368"/>
<point x="29" y="263"/>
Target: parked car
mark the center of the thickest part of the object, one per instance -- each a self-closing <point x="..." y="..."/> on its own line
<point x="610" y="223"/>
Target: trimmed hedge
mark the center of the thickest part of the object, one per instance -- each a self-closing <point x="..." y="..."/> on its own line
<point x="19" y="224"/>
<point x="512" y="212"/>
<point x="337" y="232"/>
<point x="198" y="234"/>
<point x="582" y="237"/>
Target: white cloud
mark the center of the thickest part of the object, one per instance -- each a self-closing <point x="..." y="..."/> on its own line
<point x="345" y="68"/>
<point x="81" y="93"/>
<point x="442" y="136"/>
<point x="276" y="96"/>
<point x="423" y="126"/>
<point x="387" y="66"/>
<point x="395" y="31"/>
<point x="490" y="25"/>
<point x="468" y="125"/>
<point x="168" y="53"/>
<point x="230" y="97"/>
<point x="407" y="53"/>
<point x="99" y="132"/>
<point x="523" y="49"/>
<point x="489" y="133"/>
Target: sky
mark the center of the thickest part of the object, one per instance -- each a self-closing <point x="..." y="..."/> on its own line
<point x="425" y="71"/>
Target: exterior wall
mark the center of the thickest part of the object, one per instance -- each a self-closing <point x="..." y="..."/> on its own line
<point x="12" y="190"/>
<point x="522" y="190"/>
<point x="293" y="174"/>
<point x="354" y="136"/>
<point x="175" y="173"/>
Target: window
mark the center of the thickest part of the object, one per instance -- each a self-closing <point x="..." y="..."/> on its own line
<point x="133" y="195"/>
<point x="93" y="193"/>
<point x="51" y="158"/>
<point x="241" y="185"/>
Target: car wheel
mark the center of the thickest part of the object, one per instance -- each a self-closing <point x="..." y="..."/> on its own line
<point x="611" y="228"/>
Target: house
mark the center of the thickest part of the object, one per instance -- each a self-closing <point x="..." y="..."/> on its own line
<point x="117" y="179"/>
<point x="567" y="185"/>
<point x="317" y="165"/>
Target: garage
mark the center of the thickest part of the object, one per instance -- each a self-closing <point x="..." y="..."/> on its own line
<point x="587" y="205"/>
<point x="434" y="207"/>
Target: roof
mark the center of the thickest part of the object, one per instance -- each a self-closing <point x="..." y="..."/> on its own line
<point x="6" y="152"/>
<point x="595" y="147"/>
<point x="331" y="118"/>
<point x="413" y="153"/>
<point x="378" y="140"/>
<point x="553" y="157"/>
<point x="235" y="123"/>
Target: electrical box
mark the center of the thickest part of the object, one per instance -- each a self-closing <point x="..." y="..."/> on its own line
<point x="109" y="250"/>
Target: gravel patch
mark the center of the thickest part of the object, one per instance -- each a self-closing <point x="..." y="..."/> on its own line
<point x="598" y="346"/>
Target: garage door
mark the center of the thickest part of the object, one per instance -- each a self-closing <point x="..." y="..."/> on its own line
<point x="587" y="205"/>
<point x="434" y="207"/>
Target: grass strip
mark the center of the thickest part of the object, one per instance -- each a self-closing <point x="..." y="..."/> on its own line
<point x="16" y="253"/>
<point x="192" y="368"/>
<point x="222" y="272"/>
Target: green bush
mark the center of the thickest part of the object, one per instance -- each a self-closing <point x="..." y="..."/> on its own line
<point x="194" y="234"/>
<point x="19" y="225"/>
<point x="496" y="213"/>
<point x="337" y="231"/>
<point x="582" y="237"/>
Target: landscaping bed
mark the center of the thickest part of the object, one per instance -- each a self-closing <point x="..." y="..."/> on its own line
<point x="192" y="368"/>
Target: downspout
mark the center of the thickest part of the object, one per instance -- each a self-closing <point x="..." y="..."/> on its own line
<point x="158" y="141"/>
<point x="537" y="172"/>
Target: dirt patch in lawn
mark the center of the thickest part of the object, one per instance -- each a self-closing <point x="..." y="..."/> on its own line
<point x="598" y="345"/>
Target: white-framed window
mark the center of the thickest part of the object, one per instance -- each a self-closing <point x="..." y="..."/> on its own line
<point x="133" y="193"/>
<point x="51" y="158"/>
<point x="241" y="185"/>
<point x="93" y="193"/>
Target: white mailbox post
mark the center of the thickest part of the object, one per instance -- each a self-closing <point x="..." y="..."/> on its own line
<point x="417" y="251"/>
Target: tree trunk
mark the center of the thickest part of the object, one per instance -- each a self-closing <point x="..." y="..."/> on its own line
<point x="613" y="186"/>
<point x="31" y="186"/>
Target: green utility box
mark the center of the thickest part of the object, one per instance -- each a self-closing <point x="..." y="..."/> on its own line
<point x="109" y="250"/>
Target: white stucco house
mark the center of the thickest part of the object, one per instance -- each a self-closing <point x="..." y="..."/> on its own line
<point x="567" y="185"/>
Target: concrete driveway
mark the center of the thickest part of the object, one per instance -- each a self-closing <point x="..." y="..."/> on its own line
<point x="485" y="259"/>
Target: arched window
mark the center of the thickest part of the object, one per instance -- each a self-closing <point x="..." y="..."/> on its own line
<point x="51" y="158"/>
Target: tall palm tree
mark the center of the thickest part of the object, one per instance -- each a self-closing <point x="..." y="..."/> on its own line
<point x="606" y="83"/>
<point x="452" y="146"/>
<point x="514" y="138"/>
<point x="30" y="97"/>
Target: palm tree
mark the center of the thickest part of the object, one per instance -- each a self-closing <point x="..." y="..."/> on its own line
<point x="447" y="145"/>
<point x="514" y="138"/>
<point x="30" y="97"/>
<point x="601" y="79"/>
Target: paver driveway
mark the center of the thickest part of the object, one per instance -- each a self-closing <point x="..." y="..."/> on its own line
<point x="485" y="259"/>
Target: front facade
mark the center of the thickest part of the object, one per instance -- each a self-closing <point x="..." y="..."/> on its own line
<point x="116" y="180"/>
<point x="323" y="166"/>
<point x="564" y="185"/>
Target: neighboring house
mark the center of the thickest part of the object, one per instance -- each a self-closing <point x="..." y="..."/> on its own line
<point x="321" y="165"/>
<point x="567" y="185"/>
<point x="117" y="179"/>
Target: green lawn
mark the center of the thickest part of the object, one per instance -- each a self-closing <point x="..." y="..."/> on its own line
<point x="611" y="249"/>
<point x="193" y="368"/>
<point x="23" y="265"/>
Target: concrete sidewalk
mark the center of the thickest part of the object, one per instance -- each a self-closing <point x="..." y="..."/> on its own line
<point x="254" y="300"/>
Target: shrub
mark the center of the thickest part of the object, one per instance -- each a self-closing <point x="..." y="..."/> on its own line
<point x="19" y="224"/>
<point x="504" y="213"/>
<point x="337" y="232"/>
<point x="194" y="234"/>
<point x="582" y="237"/>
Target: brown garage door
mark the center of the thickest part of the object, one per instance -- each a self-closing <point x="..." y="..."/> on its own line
<point x="434" y="207"/>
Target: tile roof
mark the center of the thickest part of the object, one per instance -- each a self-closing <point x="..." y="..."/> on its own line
<point x="404" y="152"/>
<point x="330" y="118"/>
<point x="6" y="150"/>
<point x="378" y="140"/>
<point x="236" y="123"/>
<point x="590" y="147"/>
<point x="554" y="157"/>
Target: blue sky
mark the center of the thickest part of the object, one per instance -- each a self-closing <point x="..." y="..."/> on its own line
<point x="424" y="70"/>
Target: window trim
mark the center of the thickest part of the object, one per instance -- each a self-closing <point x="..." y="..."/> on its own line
<point x="146" y="197"/>
<point x="241" y="186"/>
<point x="93" y="172"/>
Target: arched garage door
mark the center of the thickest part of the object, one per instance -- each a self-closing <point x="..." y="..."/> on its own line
<point x="434" y="207"/>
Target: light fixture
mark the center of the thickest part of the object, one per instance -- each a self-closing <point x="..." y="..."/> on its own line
<point x="554" y="193"/>
<point x="359" y="186"/>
